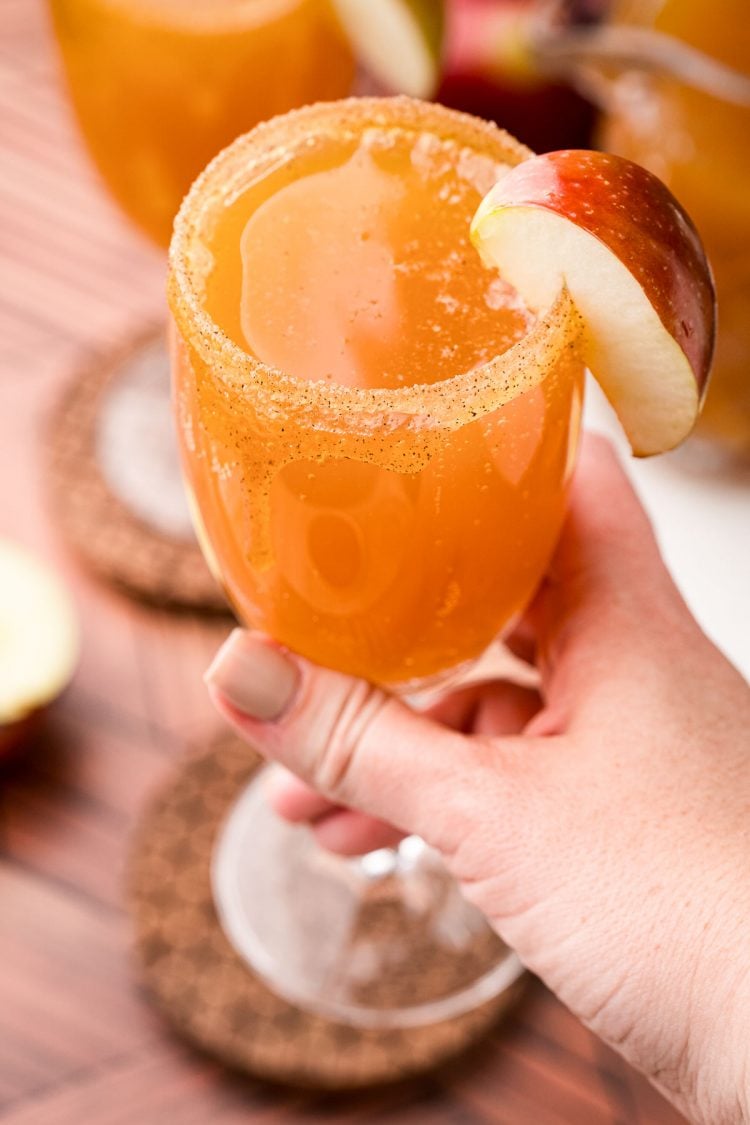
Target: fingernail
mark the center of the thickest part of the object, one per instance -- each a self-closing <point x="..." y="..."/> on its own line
<point x="254" y="676"/>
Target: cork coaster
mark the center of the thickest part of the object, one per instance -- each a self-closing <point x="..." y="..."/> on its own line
<point x="208" y="993"/>
<point x="114" y="478"/>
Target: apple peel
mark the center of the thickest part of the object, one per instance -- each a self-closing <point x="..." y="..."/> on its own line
<point x="633" y="264"/>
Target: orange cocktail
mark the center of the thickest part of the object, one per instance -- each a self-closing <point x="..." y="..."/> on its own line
<point x="159" y="86"/>
<point x="377" y="434"/>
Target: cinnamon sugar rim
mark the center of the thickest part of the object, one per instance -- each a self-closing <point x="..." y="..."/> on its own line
<point x="449" y="403"/>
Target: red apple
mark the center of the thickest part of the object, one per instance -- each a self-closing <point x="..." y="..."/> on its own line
<point x="635" y="267"/>
<point x="38" y="643"/>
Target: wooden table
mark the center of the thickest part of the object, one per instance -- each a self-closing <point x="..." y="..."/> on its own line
<point x="79" y="1044"/>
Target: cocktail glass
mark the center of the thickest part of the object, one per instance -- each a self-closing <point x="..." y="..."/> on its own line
<point x="388" y="517"/>
<point x="158" y="87"/>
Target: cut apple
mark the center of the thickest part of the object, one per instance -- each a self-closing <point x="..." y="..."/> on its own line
<point x="399" y="41"/>
<point x="635" y="267"/>
<point x="39" y="641"/>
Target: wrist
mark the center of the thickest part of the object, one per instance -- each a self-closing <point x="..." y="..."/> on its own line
<point x="691" y="1033"/>
<point x="715" y="1083"/>
<point x="721" y="1086"/>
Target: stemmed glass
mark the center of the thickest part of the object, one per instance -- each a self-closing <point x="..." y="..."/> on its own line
<point x="158" y="87"/>
<point x="391" y="530"/>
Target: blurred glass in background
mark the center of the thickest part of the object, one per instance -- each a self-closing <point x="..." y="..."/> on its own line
<point x="160" y="86"/>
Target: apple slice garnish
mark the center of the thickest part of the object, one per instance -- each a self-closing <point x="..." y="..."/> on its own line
<point x="632" y="261"/>
<point x="39" y="642"/>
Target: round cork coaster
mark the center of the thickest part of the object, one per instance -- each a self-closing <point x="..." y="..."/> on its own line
<point x="208" y="993"/>
<point x="114" y="478"/>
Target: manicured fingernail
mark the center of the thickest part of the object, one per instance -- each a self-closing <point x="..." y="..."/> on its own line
<point x="254" y="676"/>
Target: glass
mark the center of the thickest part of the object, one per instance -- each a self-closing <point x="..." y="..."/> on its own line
<point x="390" y="531"/>
<point x="159" y="87"/>
<point x="696" y="141"/>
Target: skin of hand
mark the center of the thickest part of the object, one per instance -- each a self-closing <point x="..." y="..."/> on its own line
<point x="602" y="825"/>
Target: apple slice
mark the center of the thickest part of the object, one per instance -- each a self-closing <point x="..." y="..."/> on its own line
<point x="39" y="641"/>
<point x="635" y="267"/>
<point x="399" y="41"/>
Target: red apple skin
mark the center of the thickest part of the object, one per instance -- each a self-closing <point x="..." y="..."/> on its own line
<point x="604" y="195"/>
<point x="476" y="79"/>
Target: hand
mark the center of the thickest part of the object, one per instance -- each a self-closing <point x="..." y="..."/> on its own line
<point x="603" y="826"/>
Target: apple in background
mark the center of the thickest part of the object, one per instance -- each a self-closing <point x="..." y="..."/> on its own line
<point x="637" y="272"/>
<point x="398" y="42"/>
<point x="39" y="642"/>
<point x="489" y="71"/>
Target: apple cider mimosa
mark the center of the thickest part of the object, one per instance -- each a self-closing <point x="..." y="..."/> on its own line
<point x="377" y="434"/>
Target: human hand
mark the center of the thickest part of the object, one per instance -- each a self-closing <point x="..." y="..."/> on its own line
<point x="603" y="826"/>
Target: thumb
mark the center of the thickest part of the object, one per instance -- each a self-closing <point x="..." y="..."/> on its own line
<point x="353" y="742"/>
<point x="608" y="598"/>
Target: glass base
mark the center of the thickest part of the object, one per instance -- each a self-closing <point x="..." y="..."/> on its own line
<point x="137" y="444"/>
<point x="384" y="941"/>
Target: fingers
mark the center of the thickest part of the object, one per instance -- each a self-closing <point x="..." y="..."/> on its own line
<point x="521" y="642"/>
<point x="352" y="833"/>
<point x="350" y="741"/>
<point x="607" y="530"/>
<point x="340" y="830"/>
<point x="489" y="709"/>
<point x="492" y="709"/>
<point x="294" y="800"/>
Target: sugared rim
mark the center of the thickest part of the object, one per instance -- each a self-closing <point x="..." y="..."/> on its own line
<point x="450" y="402"/>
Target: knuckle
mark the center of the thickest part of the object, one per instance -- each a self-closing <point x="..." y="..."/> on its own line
<point x="349" y="717"/>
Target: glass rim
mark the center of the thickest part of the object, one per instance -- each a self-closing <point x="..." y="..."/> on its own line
<point x="479" y="390"/>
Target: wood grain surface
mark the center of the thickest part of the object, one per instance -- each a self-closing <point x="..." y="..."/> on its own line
<point x="78" y="1044"/>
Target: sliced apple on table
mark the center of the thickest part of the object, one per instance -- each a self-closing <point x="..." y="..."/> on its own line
<point x="39" y="642"/>
<point x="399" y="41"/>
<point x="632" y="261"/>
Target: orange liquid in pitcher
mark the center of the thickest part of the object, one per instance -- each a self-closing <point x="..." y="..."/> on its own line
<point x="352" y="266"/>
